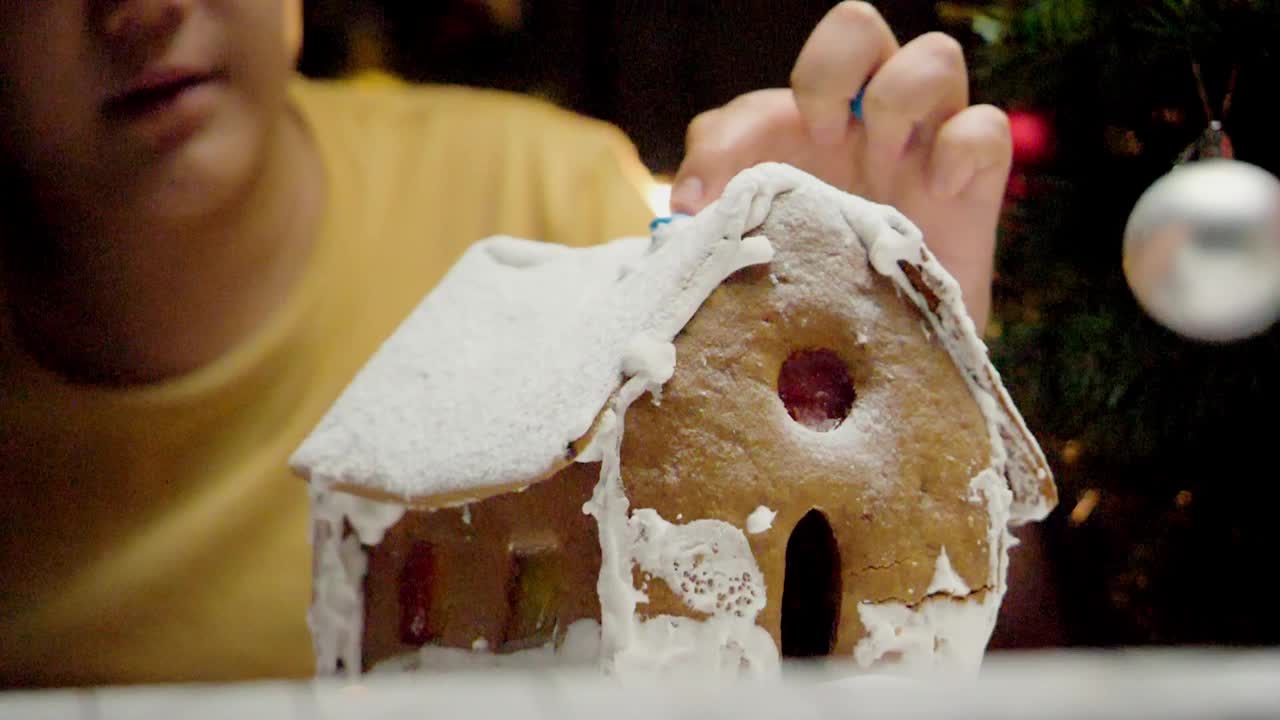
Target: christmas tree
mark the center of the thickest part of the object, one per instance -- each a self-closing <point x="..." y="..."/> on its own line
<point x="1162" y="446"/>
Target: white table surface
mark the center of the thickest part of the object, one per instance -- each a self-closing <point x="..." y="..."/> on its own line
<point x="1078" y="685"/>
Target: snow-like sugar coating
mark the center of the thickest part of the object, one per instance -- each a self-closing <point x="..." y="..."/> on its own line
<point x="946" y="579"/>
<point x="544" y="330"/>
<point x="711" y="650"/>
<point x="896" y="250"/>
<point x="562" y="338"/>
<point x="701" y="562"/>
<point x="941" y="632"/>
<point x="336" y="617"/>
<point x="950" y="628"/>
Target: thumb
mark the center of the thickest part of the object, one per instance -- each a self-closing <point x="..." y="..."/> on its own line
<point x="707" y="165"/>
<point x="750" y="129"/>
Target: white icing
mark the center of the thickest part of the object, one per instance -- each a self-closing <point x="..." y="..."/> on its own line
<point x="581" y="642"/>
<point x="760" y="520"/>
<point x="989" y="488"/>
<point x="369" y="518"/>
<point x="553" y="330"/>
<point x="889" y="237"/>
<point x="336" y="616"/>
<point x="517" y="254"/>
<point x="719" y="648"/>
<point x="939" y="633"/>
<point x="651" y="357"/>
<point x="706" y="563"/>
<point x="946" y="579"/>
<point x="608" y="504"/>
<point x="580" y="647"/>
<point x="948" y="629"/>
<point x="756" y="250"/>
<point x="957" y="333"/>
<point x="551" y="334"/>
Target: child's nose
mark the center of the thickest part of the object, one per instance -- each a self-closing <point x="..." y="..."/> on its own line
<point x="131" y="22"/>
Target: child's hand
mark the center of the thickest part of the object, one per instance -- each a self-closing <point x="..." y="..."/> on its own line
<point x="920" y="146"/>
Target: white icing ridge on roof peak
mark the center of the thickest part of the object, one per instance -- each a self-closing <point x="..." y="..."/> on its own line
<point x="513" y="356"/>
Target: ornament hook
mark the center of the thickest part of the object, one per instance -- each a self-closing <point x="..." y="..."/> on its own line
<point x="1214" y="141"/>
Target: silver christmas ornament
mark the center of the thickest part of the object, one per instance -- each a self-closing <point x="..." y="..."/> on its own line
<point x="1202" y="250"/>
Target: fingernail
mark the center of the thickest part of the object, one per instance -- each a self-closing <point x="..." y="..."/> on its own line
<point x="686" y="195"/>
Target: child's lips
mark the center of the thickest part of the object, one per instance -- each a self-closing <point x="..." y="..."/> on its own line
<point x="164" y="105"/>
<point x="152" y="87"/>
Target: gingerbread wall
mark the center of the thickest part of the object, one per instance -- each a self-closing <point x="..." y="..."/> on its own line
<point x="892" y="480"/>
<point x="466" y="575"/>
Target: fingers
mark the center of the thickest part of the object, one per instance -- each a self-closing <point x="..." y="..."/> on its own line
<point x="846" y="48"/>
<point x="704" y="151"/>
<point x="721" y="142"/>
<point x="966" y="175"/>
<point x="972" y="151"/>
<point x="916" y="90"/>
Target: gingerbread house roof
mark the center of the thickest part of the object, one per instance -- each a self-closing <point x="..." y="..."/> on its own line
<point x="496" y="379"/>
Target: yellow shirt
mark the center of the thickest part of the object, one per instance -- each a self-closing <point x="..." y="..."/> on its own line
<point x="156" y="534"/>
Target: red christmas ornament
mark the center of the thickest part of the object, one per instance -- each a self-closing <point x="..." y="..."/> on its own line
<point x="1017" y="187"/>
<point x="1032" y="137"/>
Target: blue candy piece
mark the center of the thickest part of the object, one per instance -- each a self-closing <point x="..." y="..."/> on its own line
<point x="855" y="105"/>
<point x="658" y="222"/>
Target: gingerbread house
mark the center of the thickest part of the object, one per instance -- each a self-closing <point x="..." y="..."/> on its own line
<point x="766" y="431"/>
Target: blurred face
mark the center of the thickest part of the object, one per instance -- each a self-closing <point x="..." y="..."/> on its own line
<point x="152" y="109"/>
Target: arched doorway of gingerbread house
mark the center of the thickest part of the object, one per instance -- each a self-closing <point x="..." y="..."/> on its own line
<point x="811" y="589"/>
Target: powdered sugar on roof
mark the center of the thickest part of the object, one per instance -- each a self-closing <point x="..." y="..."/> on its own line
<point x="510" y="360"/>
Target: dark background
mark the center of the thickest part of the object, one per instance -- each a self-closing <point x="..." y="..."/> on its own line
<point x="646" y="66"/>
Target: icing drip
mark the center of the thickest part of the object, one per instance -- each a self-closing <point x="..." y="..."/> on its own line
<point x="336" y="616"/>
<point x="710" y="558"/>
<point x="718" y="648"/>
<point x="938" y="633"/>
<point x="541" y="326"/>
<point x="760" y="520"/>
<point x="608" y="504"/>
<point x="707" y="563"/>
<point x="950" y="627"/>
<point x="945" y="579"/>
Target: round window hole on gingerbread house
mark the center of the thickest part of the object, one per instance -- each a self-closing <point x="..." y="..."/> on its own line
<point x="816" y="389"/>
